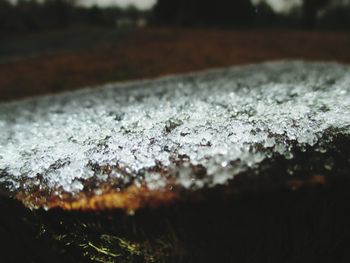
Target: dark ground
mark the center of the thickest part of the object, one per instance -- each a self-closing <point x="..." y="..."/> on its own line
<point x="15" y="48"/>
<point x="74" y="58"/>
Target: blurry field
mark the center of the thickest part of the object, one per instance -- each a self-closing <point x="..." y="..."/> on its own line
<point x="30" y="66"/>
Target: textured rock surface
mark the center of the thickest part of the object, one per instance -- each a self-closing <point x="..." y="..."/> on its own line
<point x="154" y="134"/>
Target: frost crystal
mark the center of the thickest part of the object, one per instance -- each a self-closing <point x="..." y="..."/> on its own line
<point x="224" y="121"/>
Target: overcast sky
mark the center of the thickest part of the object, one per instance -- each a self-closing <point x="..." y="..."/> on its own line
<point x="281" y="5"/>
<point x="278" y="5"/>
<point x="142" y="4"/>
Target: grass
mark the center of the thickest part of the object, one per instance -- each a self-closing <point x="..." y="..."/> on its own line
<point x="154" y="52"/>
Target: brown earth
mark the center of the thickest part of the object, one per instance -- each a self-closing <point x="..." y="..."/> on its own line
<point x="154" y="52"/>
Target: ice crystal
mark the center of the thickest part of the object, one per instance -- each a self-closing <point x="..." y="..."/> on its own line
<point x="224" y="121"/>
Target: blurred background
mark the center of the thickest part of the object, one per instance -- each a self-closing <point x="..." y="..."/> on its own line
<point x="49" y="46"/>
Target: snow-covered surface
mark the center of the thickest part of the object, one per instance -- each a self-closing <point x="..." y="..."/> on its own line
<point x="224" y="120"/>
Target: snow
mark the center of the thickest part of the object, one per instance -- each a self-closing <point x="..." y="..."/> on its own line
<point x="225" y="120"/>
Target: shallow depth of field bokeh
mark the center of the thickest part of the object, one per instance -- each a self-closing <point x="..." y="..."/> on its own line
<point x="61" y="45"/>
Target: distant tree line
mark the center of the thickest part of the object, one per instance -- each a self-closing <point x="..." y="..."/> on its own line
<point x="38" y="15"/>
<point x="228" y="13"/>
<point x="33" y="15"/>
<point x="203" y="12"/>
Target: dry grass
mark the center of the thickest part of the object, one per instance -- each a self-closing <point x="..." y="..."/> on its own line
<point x="154" y="52"/>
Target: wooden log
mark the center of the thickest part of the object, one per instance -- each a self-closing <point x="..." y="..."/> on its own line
<point x="244" y="164"/>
